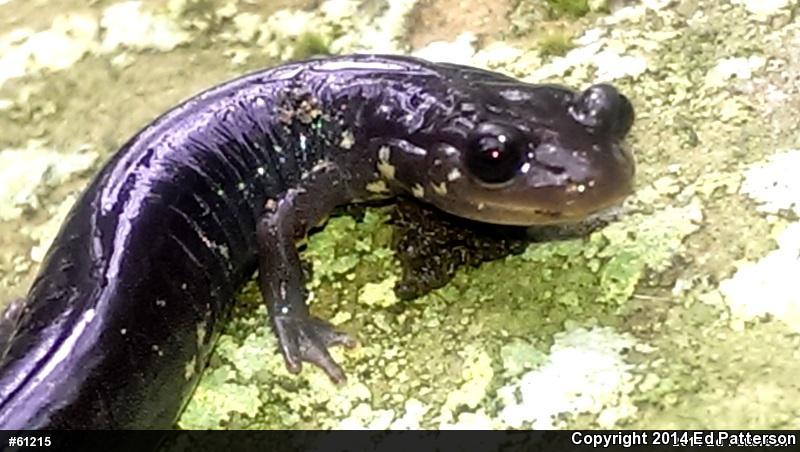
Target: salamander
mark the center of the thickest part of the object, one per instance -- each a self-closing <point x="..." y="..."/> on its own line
<point x="120" y="321"/>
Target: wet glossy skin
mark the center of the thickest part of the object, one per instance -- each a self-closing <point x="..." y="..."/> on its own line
<point x="130" y="298"/>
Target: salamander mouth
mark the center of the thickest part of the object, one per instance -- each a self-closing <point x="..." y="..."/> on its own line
<point x="555" y="215"/>
<point x="575" y="229"/>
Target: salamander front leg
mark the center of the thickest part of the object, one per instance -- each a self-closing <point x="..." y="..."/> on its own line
<point x="301" y="336"/>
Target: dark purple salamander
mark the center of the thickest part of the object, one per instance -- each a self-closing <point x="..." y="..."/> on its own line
<point x="120" y="321"/>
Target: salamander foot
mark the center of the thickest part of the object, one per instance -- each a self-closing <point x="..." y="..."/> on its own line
<point x="307" y="339"/>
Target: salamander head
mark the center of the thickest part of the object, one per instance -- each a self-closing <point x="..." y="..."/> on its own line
<point x="513" y="153"/>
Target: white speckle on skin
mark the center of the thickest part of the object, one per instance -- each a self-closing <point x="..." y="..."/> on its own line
<point x="378" y="186"/>
<point x="481" y="206"/>
<point x="386" y="169"/>
<point x="454" y="175"/>
<point x="123" y="331"/>
<point x="440" y="188"/>
<point x="190" y="366"/>
<point x="259" y="103"/>
<point x="450" y="151"/>
<point x="515" y="95"/>
<point x="525" y="168"/>
<point x="575" y="188"/>
<point x="285" y="310"/>
<point x="322" y="165"/>
<point x="347" y="140"/>
<point x="201" y="335"/>
<point x="161" y="303"/>
<point x="384" y="153"/>
<point x="261" y="171"/>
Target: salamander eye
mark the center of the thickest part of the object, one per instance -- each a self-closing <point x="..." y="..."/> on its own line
<point x="494" y="153"/>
